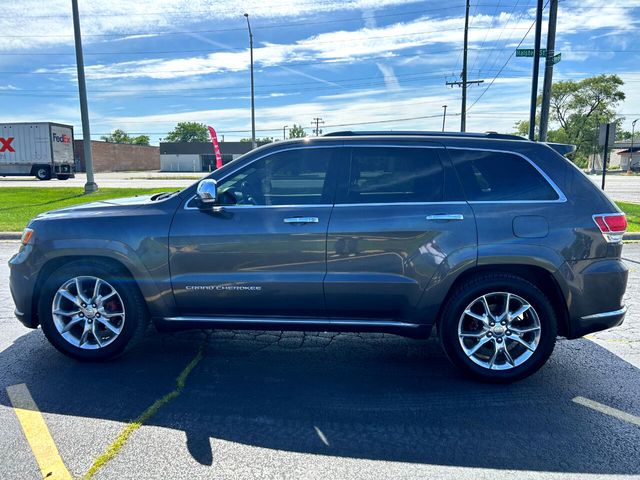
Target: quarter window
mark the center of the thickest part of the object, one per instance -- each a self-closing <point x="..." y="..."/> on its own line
<point x="394" y="175"/>
<point x="292" y="177"/>
<point x="498" y="176"/>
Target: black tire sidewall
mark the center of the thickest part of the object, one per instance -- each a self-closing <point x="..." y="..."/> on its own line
<point x="47" y="173"/>
<point x="473" y="289"/>
<point x="134" y="311"/>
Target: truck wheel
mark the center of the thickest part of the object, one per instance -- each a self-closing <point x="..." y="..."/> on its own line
<point x="43" y="173"/>
<point x="62" y="177"/>
<point x="91" y="311"/>
<point x="498" y="328"/>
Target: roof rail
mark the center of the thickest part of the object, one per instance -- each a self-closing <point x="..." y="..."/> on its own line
<point x="350" y="133"/>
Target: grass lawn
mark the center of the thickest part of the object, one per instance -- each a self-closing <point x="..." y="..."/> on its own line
<point x="20" y="204"/>
<point x="633" y="215"/>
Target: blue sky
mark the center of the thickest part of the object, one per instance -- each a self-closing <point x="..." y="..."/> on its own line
<point x="151" y="64"/>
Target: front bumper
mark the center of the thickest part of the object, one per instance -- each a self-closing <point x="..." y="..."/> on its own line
<point x="21" y="285"/>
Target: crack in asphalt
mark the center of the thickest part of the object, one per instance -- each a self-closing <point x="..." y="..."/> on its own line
<point x="114" y="448"/>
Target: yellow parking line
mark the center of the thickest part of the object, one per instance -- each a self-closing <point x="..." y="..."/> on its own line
<point x="37" y="433"/>
<point x="614" y="412"/>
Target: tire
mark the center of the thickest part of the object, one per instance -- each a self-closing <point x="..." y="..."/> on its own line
<point x="62" y="177"/>
<point x="464" y="325"/>
<point x="43" y="173"/>
<point x="126" y="310"/>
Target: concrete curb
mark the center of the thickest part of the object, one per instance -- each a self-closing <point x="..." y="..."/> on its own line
<point x="10" y="235"/>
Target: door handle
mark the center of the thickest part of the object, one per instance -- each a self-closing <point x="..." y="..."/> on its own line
<point x="446" y="217"/>
<point x="301" y="220"/>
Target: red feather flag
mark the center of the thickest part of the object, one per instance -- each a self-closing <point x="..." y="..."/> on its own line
<point x="216" y="148"/>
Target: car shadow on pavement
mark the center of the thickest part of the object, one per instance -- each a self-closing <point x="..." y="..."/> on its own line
<point x="369" y="396"/>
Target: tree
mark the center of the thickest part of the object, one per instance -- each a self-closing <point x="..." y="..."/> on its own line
<point x="141" y="140"/>
<point x="120" y="136"/>
<point x="577" y="107"/>
<point x="296" y="131"/>
<point x="117" y="136"/>
<point x="188" y="132"/>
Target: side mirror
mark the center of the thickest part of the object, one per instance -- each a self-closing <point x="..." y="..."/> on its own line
<point x="207" y="192"/>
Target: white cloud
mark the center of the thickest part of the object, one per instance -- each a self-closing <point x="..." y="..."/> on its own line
<point x="353" y="44"/>
<point x="27" y="25"/>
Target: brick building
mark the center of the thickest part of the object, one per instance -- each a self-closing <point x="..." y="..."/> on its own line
<point x="118" y="157"/>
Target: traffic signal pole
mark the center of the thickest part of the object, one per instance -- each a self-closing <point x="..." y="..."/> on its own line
<point x="548" y="71"/>
<point x="536" y="73"/>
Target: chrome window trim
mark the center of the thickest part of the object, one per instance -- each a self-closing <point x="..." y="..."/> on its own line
<point x="245" y="207"/>
<point x="401" y="204"/>
<point x="561" y="196"/>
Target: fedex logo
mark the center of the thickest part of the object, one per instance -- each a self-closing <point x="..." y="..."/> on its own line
<point x="5" y="144"/>
<point x="61" y="138"/>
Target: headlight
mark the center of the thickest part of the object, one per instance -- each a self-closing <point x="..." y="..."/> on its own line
<point x="27" y="236"/>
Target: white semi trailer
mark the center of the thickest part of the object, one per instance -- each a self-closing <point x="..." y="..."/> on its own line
<point x="43" y="149"/>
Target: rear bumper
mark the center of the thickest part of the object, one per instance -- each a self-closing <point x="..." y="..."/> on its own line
<point x="596" y="300"/>
<point x="600" y="321"/>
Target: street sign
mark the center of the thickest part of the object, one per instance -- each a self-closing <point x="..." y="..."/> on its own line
<point x="556" y="58"/>
<point x="603" y="134"/>
<point x="528" y="52"/>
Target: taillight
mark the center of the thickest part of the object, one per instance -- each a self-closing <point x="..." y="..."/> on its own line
<point x="612" y="226"/>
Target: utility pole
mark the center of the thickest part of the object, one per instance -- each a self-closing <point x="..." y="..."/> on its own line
<point x="463" y="116"/>
<point x="464" y="84"/>
<point x="317" y="121"/>
<point x="536" y="72"/>
<point x="284" y="132"/>
<point x="444" y="116"/>
<point x="90" y="185"/>
<point x="606" y="151"/>
<point x="253" y="109"/>
<point x="633" y="131"/>
<point x="548" y="71"/>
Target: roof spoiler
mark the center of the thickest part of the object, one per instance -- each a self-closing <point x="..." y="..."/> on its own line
<point x="562" y="148"/>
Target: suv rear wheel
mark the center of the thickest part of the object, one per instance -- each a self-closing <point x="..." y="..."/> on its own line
<point x="91" y="311"/>
<point x="498" y="328"/>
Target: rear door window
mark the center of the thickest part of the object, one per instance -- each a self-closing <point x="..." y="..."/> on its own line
<point x="500" y="176"/>
<point x="394" y="175"/>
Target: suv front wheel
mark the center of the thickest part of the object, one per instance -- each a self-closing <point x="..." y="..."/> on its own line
<point x="498" y="328"/>
<point x="91" y="310"/>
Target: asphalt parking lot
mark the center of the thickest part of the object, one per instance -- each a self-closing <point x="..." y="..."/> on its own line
<point x="325" y="405"/>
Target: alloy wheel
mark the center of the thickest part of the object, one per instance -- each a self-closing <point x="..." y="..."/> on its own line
<point x="88" y="312"/>
<point x="499" y="331"/>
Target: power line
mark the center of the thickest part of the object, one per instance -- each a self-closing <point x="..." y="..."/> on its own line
<point x="505" y="64"/>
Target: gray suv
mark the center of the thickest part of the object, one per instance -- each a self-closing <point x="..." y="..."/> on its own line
<point x="499" y="242"/>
